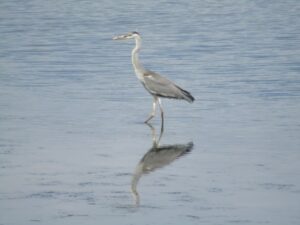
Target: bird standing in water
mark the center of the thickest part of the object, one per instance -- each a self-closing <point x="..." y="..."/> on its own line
<point x="157" y="85"/>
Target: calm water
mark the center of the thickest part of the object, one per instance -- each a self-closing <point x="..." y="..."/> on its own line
<point x="74" y="150"/>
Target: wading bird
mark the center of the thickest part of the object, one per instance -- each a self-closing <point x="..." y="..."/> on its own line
<point x="157" y="85"/>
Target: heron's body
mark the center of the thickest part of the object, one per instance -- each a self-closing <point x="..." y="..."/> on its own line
<point x="157" y="85"/>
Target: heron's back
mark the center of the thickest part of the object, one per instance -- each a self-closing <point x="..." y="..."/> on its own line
<point x="160" y="86"/>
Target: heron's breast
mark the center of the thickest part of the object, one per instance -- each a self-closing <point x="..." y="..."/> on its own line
<point x="139" y="75"/>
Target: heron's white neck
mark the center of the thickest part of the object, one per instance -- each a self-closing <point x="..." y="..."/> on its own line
<point x="138" y="67"/>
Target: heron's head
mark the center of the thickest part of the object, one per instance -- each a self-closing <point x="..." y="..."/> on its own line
<point x="129" y="35"/>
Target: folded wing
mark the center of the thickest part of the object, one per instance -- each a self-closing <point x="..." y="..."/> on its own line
<point x="160" y="86"/>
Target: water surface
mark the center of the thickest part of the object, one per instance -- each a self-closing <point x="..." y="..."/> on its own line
<point x="72" y="112"/>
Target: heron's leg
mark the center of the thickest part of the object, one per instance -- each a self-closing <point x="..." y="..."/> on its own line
<point x="161" y="132"/>
<point x="155" y="141"/>
<point x="161" y="112"/>
<point x="152" y="114"/>
<point x="153" y="133"/>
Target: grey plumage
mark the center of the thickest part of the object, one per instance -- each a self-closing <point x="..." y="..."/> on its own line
<point x="157" y="85"/>
<point x="162" y="87"/>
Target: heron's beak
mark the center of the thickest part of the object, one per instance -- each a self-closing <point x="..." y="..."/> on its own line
<point x="119" y="37"/>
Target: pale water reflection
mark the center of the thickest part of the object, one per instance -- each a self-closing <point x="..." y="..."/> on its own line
<point x="158" y="156"/>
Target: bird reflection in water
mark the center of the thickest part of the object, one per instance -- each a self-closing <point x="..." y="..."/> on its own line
<point x="157" y="157"/>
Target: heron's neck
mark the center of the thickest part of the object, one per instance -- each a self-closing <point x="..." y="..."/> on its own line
<point x="138" y="67"/>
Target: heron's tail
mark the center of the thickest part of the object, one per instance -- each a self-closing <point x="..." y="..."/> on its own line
<point x="186" y="95"/>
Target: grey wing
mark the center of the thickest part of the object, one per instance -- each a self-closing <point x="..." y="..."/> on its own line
<point x="162" y="87"/>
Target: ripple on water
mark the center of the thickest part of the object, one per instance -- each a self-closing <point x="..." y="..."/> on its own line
<point x="88" y="196"/>
<point x="277" y="186"/>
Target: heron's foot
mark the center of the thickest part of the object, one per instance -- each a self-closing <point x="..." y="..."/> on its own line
<point x="150" y="117"/>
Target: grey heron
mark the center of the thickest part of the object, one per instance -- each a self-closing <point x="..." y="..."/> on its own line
<point x="157" y="85"/>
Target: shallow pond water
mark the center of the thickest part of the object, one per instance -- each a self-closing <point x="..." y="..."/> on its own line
<point x="73" y="145"/>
